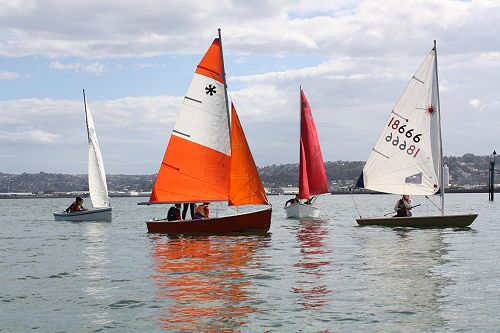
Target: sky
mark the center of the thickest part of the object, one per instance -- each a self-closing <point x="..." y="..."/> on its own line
<point x="135" y="60"/>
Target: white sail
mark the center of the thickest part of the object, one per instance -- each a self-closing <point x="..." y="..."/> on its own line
<point x="97" y="176"/>
<point x="406" y="158"/>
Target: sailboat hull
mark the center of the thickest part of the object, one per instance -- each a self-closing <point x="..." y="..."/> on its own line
<point x="100" y="214"/>
<point x="300" y="210"/>
<point x="259" y="221"/>
<point x="444" y="221"/>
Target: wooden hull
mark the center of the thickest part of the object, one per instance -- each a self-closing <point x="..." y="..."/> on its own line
<point x="445" y="221"/>
<point x="99" y="214"/>
<point x="259" y="221"/>
<point x="300" y="210"/>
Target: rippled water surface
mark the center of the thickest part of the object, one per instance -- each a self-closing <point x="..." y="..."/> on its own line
<point x="325" y="275"/>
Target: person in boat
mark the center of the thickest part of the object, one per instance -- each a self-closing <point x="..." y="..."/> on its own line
<point x="185" y="206"/>
<point x="309" y="201"/>
<point x="174" y="213"/>
<point x="202" y="211"/>
<point x="293" y="200"/>
<point x="403" y="206"/>
<point x="76" y="206"/>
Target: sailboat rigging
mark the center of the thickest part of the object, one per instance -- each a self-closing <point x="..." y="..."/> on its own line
<point x="208" y="158"/>
<point x="408" y="155"/>
<point x="98" y="189"/>
<point x="312" y="173"/>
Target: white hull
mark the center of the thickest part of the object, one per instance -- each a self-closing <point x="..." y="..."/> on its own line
<point x="300" y="210"/>
<point x="98" y="214"/>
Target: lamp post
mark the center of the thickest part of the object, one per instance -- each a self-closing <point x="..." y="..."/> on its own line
<point x="492" y="176"/>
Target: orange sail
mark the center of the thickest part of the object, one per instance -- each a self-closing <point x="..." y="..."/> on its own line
<point x="245" y="186"/>
<point x="196" y="163"/>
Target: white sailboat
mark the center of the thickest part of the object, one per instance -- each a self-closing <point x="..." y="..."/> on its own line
<point x="408" y="156"/>
<point x="98" y="188"/>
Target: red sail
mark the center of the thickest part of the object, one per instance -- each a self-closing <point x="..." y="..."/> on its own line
<point x="312" y="174"/>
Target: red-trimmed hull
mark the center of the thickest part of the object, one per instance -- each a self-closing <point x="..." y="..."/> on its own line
<point x="259" y="221"/>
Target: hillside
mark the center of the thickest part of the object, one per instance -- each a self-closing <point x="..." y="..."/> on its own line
<point x="467" y="169"/>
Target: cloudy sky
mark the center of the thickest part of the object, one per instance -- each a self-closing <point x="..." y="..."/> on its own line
<point x="135" y="60"/>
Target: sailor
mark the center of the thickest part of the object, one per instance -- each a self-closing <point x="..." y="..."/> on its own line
<point x="202" y="211"/>
<point x="185" y="206"/>
<point x="174" y="213"/>
<point x="76" y="206"/>
<point x="292" y="201"/>
<point x="403" y="206"/>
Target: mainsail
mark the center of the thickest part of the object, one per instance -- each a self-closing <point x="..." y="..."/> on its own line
<point x="407" y="156"/>
<point x="197" y="160"/>
<point x="97" y="176"/>
<point x="245" y="186"/>
<point x="312" y="174"/>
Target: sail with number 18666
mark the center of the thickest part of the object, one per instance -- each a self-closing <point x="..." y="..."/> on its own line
<point x="408" y="156"/>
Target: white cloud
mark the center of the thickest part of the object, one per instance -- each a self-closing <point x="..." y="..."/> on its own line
<point x="93" y="68"/>
<point x="30" y="136"/>
<point x="330" y="28"/>
<point x="8" y="75"/>
<point x="149" y="65"/>
<point x="353" y="59"/>
<point x="475" y="103"/>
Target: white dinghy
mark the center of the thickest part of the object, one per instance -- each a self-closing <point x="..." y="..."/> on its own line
<point x="97" y="181"/>
<point x="408" y="156"/>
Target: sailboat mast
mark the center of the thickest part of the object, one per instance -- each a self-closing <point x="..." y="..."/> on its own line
<point x="300" y="133"/>
<point x="225" y="85"/>
<point x="86" y="117"/>
<point x="441" y="178"/>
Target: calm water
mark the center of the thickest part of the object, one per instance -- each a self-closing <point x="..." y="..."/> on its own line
<point x="323" y="275"/>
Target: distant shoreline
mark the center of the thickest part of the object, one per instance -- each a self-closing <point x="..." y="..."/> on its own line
<point x="125" y="195"/>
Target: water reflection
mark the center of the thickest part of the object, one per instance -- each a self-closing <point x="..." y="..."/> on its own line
<point x="95" y="273"/>
<point x="403" y="276"/>
<point x="205" y="282"/>
<point x="313" y="264"/>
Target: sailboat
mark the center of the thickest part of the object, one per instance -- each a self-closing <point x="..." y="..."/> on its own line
<point x="98" y="189"/>
<point x="312" y="173"/>
<point x="408" y="156"/>
<point x="208" y="158"/>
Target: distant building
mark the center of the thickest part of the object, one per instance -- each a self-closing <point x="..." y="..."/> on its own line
<point x="290" y="190"/>
<point x="446" y="176"/>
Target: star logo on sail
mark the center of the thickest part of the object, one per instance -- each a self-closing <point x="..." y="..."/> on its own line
<point x="430" y="110"/>
<point x="210" y="90"/>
